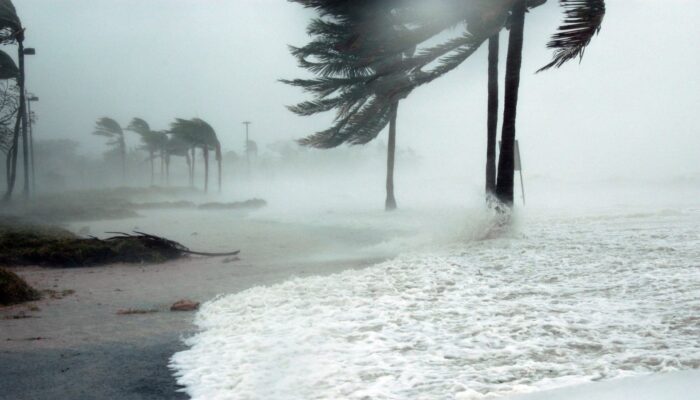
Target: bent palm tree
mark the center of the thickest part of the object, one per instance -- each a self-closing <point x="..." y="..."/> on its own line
<point x="199" y="134"/>
<point x="111" y="129"/>
<point x="153" y="142"/>
<point x="342" y="60"/>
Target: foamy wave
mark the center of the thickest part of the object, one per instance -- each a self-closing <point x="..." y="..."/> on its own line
<point x="567" y="301"/>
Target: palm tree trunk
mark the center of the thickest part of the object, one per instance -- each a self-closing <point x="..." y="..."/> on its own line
<point x="122" y="150"/>
<point x="12" y="156"/>
<point x="205" y="152"/>
<point x="506" y="162"/>
<point x="192" y="174"/>
<point x="189" y="166"/>
<point x="166" y="161"/>
<point x="162" y="165"/>
<point x="390" y="203"/>
<point x="152" y="166"/>
<point x="492" y="118"/>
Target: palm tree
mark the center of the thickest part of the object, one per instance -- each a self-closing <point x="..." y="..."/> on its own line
<point x="199" y="134"/>
<point x="111" y="129"/>
<point x="342" y="60"/>
<point x="152" y="141"/>
<point x="482" y="19"/>
<point x="583" y="19"/>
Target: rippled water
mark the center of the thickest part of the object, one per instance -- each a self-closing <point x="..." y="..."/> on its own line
<point x="558" y="301"/>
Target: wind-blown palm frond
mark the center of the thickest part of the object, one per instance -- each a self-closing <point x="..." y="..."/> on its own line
<point x="139" y="126"/>
<point x="108" y="127"/>
<point x="582" y="21"/>
<point x="8" y="68"/>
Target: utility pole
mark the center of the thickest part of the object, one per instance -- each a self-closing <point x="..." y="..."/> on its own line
<point x="247" y="145"/>
<point x="30" y="98"/>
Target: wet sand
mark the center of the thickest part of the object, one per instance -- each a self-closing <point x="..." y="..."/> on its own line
<point x="78" y="347"/>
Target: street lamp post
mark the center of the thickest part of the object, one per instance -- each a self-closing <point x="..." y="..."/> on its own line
<point x="247" y="145"/>
<point x="29" y="51"/>
<point x="30" y="99"/>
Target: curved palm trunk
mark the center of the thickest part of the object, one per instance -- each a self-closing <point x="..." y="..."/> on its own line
<point x="506" y="162"/>
<point x="205" y="152"/>
<point x="492" y="118"/>
<point x="152" y="166"/>
<point x="390" y="203"/>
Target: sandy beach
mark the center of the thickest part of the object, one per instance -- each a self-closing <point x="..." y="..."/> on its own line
<point x="77" y="346"/>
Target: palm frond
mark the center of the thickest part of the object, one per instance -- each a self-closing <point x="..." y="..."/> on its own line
<point x="8" y="68"/>
<point x="107" y="127"/>
<point x="582" y="21"/>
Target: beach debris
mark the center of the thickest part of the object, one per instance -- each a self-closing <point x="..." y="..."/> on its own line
<point x="14" y="290"/>
<point x="184" y="305"/>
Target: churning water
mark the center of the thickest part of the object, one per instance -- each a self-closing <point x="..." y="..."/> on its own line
<point x="558" y="300"/>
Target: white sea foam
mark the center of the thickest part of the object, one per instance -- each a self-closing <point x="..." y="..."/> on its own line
<point x="561" y="300"/>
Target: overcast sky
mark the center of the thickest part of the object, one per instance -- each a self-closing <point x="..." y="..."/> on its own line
<point x="630" y="107"/>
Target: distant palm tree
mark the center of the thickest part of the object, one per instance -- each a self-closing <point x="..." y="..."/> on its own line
<point x="152" y="141"/>
<point x="199" y="134"/>
<point x="111" y="129"/>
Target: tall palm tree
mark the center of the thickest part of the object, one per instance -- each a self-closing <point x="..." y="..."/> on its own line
<point x="342" y="61"/>
<point x="111" y="129"/>
<point x="481" y="19"/>
<point x="583" y="20"/>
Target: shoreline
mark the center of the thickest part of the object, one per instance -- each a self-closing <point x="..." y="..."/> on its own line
<point x="75" y="345"/>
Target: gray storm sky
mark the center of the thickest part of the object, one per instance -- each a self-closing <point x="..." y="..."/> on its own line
<point x="630" y="107"/>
